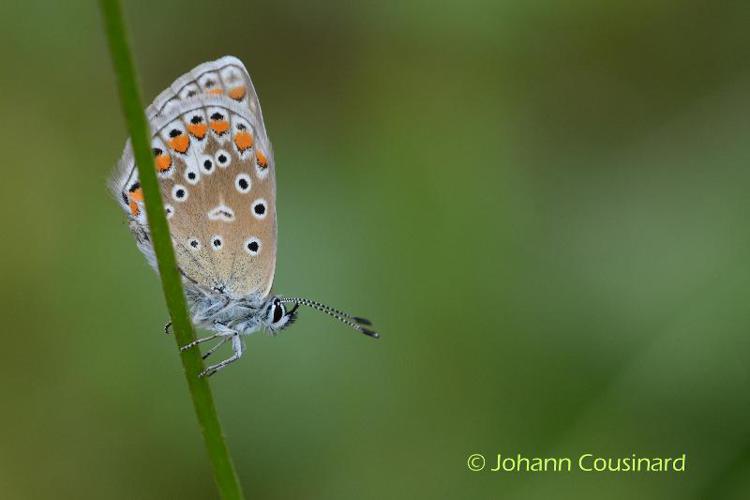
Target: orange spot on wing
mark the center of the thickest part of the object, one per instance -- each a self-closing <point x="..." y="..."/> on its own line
<point x="237" y="93"/>
<point x="243" y="140"/>
<point x="134" y="197"/>
<point x="163" y="162"/>
<point x="197" y="130"/>
<point x="181" y="143"/>
<point x="219" y="126"/>
<point x="215" y="91"/>
<point x="261" y="159"/>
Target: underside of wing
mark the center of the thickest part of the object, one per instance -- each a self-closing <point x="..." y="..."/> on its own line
<point x="226" y="76"/>
<point x="216" y="174"/>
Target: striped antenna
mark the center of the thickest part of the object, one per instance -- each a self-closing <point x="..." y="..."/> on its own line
<point x="354" y="322"/>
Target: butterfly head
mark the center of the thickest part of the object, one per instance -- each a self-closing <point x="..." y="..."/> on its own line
<point x="277" y="315"/>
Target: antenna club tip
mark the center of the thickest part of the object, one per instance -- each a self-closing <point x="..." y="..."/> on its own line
<point x="371" y="333"/>
<point x="362" y="321"/>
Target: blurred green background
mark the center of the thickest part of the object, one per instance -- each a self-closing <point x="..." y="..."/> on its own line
<point x="543" y="205"/>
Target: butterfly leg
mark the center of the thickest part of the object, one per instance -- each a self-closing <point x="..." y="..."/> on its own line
<point x="237" y="347"/>
<point x="219" y="344"/>
<point x="199" y="341"/>
<point x="167" y="327"/>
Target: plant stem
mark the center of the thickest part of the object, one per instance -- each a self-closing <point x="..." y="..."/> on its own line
<point x="208" y="420"/>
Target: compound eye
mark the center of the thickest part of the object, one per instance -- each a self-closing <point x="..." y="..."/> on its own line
<point x="278" y="312"/>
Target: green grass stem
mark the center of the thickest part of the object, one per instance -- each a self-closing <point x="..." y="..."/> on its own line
<point x="200" y="392"/>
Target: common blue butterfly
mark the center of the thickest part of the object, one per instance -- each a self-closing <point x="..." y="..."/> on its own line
<point x="216" y="172"/>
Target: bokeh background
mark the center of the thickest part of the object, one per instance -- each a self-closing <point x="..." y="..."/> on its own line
<point x="543" y="205"/>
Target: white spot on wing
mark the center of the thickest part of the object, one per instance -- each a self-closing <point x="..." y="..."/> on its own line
<point x="194" y="244"/>
<point x="252" y="246"/>
<point x="259" y="208"/>
<point x="243" y="183"/>
<point x="179" y="193"/>
<point x="222" y="213"/>
<point x="192" y="176"/>
<point x="216" y="242"/>
<point x="223" y="159"/>
<point x="207" y="165"/>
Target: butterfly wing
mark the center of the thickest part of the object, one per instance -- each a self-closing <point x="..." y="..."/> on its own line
<point x="216" y="174"/>
<point x="226" y="76"/>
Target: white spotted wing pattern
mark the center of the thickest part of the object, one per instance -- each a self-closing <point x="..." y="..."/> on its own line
<point x="216" y="173"/>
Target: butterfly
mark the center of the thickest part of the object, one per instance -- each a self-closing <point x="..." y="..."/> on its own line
<point x="216" y="173"/>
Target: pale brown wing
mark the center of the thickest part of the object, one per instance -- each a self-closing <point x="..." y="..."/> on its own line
<point x="217" y="179"/>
